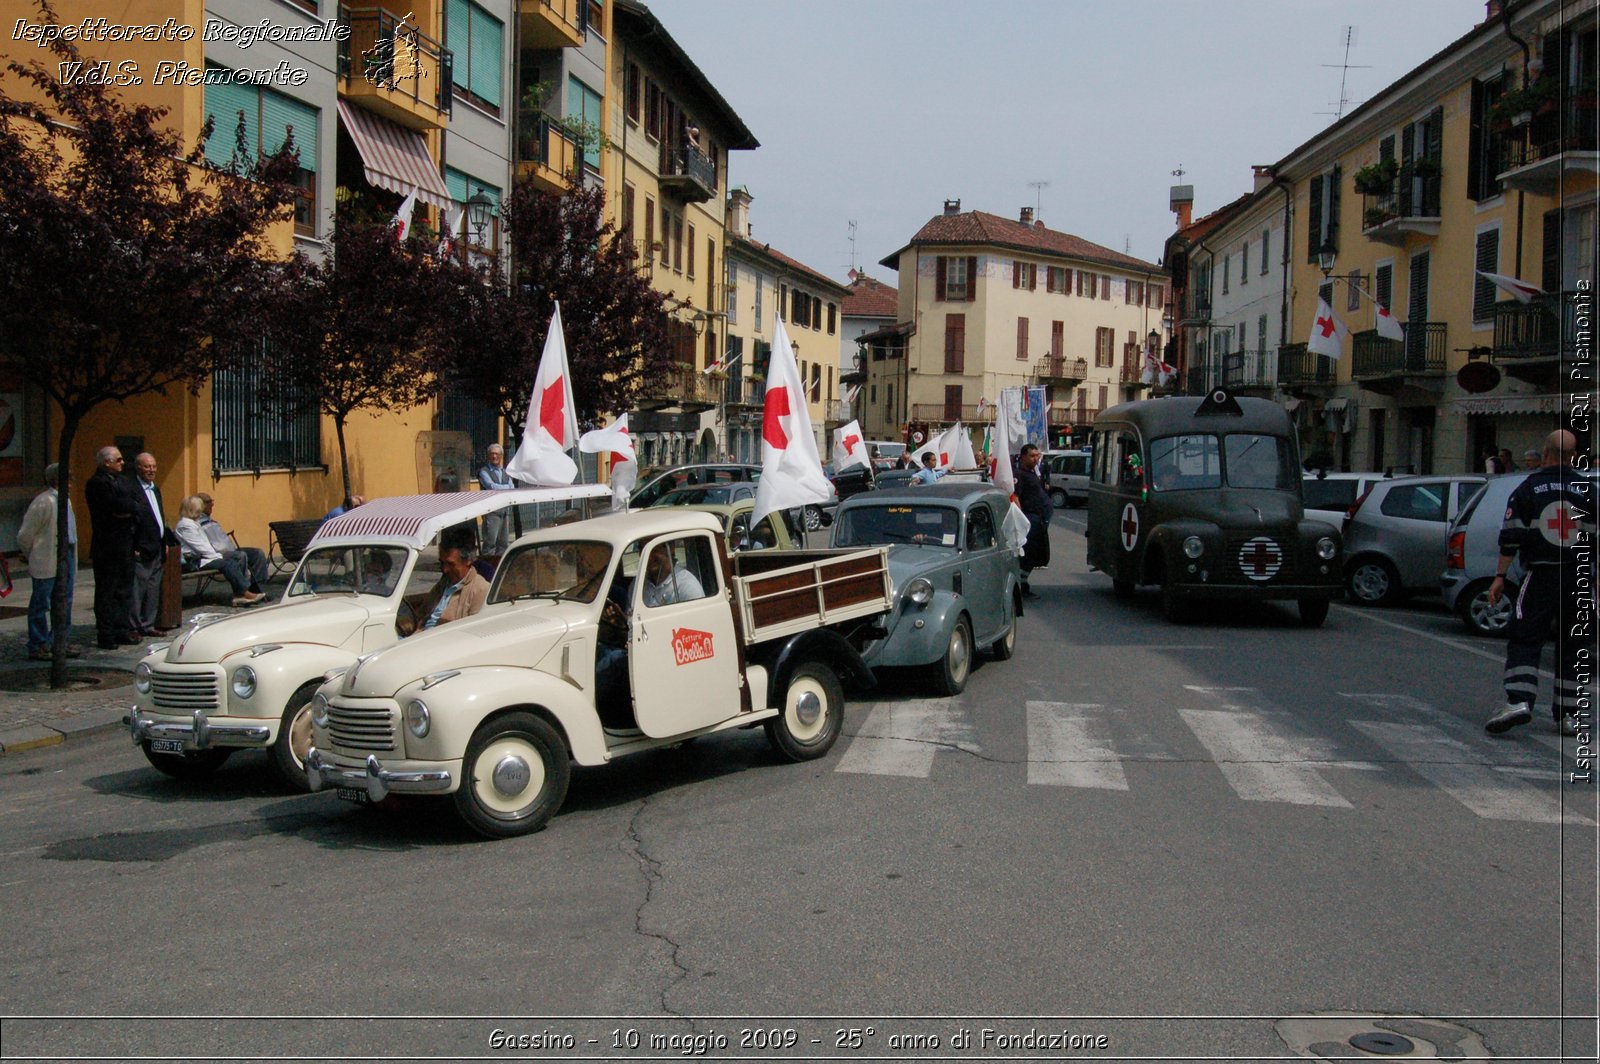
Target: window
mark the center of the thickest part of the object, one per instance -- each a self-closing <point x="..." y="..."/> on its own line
<point x="269" y="119"/>
<point x="732" y="297"/>
<point x="477" y="38"/>
<point x="955" y="343"/>
<point x="1022" y="338"/>
<point x="833" y="319"/>
<point x="253" y="430"/>
<point x="596" y="23"/>
<point x="758" y="303"/>
<point x="1057" y="332"/>
<point x="462" y="188"/>
<point x="1086" y="283"/>
<point x="956" y="279"/>
<point x="627" y="211"/>
<point x="1024" y="275"/>
<point x="677" y="242"/>
<point x="1256" y="461"/>
<point x="1154" y="296"/>
<point x="1352" y="289"/>
<point x="1383" y="285"/>
<point x="633" y="94"/>
<point x="1184" y="463"/>
<point x="1105" y="287"/>
<point x="584" y="105"/>
<point x="1244" y="263"/>
<point x="652" y="110"/>
<point x="1421" y="502"/>
<point x="952" y="402"/>
<point x="686" y="570"/>
<point x="783" y="302"/>
<point x="1055" y="279"/>
<point x="1227" y="272"/>
<point x="1488" y="260"/>
<point x="1322" y="213"/>
<point x="980" y="528"/>
<point x="1484" y="145"/>
<point x="1261" y="335"/>
<point x="649" y="230"/>
<point x="691" y="251"/>
<point x="711" y="274"/>
<point x="1103" y="340"/>
<point x="816" y="382"/>
<point x="666" y="236"/>
<point x="1266" y="239"/>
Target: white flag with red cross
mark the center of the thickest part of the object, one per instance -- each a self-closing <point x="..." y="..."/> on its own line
<point x="1388" y="326"/>
<point x="624" y="470"/>
<point x="1327" y="332"/>
<point x="401" y="222"/>
<point x="551" y="427"/>
<point x="1521" y="291"/>
<point x="849" y="449"/>
<point x="791" y="471"/>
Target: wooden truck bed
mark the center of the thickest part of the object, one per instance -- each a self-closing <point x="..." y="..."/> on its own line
<point x="779" y="593"/>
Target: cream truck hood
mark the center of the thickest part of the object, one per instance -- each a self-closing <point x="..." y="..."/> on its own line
<point x="517" y="635"/>
<point x="326" y="620"/>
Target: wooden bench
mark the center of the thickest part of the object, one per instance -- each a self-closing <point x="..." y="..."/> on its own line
<point x="287" y="540"/>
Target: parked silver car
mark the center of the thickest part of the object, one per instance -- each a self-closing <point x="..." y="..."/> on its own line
<point x="1395" y="539"/>
<point x="1067" y="477"/>
<point x="1329" y="496"/>
<point x="1472" y="554"/>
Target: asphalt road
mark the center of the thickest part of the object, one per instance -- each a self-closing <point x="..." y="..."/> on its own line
<point x="1171" y="838"/>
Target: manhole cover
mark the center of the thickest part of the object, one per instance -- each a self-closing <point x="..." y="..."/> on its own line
<point x="36" y="679"/>
<point x="1365" y="1035"/>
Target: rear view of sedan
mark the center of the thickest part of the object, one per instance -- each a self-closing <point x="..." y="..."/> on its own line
<point x="1396" y="537"/>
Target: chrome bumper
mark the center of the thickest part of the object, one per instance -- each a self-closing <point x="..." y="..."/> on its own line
<point x="199" y="733"/>
<point x="376" y="780"/>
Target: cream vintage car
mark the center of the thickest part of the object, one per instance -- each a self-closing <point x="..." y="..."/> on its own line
<point x="626" y="633"/>
<point x="245" y="681"/>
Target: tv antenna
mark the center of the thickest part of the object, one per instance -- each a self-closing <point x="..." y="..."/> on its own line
<point x="1038" y="195"/>
<point x="1179" y="172"/>
<point x="852" y="224"/>
<point x="1345" y="67"/>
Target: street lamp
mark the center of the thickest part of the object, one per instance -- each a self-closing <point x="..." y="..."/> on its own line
<point x="480" y="209"/>
<point x="1325" y="256"/>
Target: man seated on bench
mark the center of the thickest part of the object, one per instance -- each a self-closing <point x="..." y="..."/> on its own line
<point x="200" y="556"/>
<point x="254" y="559"/>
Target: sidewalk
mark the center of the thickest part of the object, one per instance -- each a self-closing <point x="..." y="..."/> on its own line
<point x="30" y="719"/>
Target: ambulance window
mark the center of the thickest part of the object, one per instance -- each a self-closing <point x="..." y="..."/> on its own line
<point x="1259" y="461"/>
<point x="1183" y="463"/>
<point x="1129" y="461"/>
<point x="1097" y="464"/>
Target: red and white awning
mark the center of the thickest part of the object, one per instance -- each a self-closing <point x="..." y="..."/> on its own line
<point x="416" y="519"/>
<point x="1509" y="404"/>
<point x="394" y="157"/>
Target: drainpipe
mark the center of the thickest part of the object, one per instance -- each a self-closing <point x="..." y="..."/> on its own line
<point x="1283" y="309"/>
<point x="1527" y="58"/>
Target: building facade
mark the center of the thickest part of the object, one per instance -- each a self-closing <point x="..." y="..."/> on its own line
<point x="869" y="306"/>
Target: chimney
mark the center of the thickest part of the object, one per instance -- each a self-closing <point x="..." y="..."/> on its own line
<point x="739" y="211"/>
<point x="1027" y="216"/>
<point x="1039" y="224"/>
<point x="1491" y="10"/>
<point x="952" y="206"/>
<point x="1264" y="176"/>
<point x="1181" y="203"/>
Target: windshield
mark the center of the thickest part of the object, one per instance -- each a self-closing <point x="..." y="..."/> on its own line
<point x="359" y="569"/>
<point x="711" y="494"/>
<point x="564" y="569"/>
<point x="1258" y="461"/>
<point x="869" y="526"/>
<point x="1196" y="460"/>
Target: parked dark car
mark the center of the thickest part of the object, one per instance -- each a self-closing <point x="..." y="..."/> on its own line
<point x="653" y="485"/>
<point x="707" y="494"/>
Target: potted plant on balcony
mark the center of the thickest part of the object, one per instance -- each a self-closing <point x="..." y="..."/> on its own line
<point x="1425" y="166"/>
<point x="1376" y="178"/>
<point x="1516" y="107"/>
<point x="1376" y="216"/>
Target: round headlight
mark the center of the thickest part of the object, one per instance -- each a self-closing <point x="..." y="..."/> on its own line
<point x="1193" y="547"/>
<point x="1326" y="549"/>
<point x="141" y="678"/>
<point x="920" y="591"/>
<point x="244" y="681"/>
<point x="417" y="718"/>
<point x="319" y="710"/>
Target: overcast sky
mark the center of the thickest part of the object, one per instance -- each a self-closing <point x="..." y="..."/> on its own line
<point x="876" y="111"/>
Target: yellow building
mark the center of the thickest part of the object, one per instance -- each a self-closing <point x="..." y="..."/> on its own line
<point x="1483" y="158"/>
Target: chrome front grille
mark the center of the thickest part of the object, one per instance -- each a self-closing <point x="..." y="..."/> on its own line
<point x="362" y="728"/>
<point x="1269" y="558"/>
<point x="185" y="692"/>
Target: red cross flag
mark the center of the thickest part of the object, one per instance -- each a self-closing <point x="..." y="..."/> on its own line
<point x="1388" y="327"/>
<point x="1327" y="333"/>
<point x="1521" y="291"/>
<point x="401" y="222"/>
<point x="791" y="472"/>
<point x="614" y="439"/>
<point x="551" y="427"/>
<point x="848" y="448"/>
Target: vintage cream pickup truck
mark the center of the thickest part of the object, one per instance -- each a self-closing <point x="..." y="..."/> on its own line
<point x="623" y="634"/>
<point x="245" y="681"/>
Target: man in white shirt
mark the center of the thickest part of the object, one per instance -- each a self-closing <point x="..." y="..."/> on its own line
<point x="151" y="537"/>
<point x="37" y="541"/>
<point x="666" y="583"/>
<point x="252" y="559"/>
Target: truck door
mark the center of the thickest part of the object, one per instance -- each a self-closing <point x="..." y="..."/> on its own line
<point x="985" y="561"/>
<point x="1117" y="505"/>
<point x="682" y="660"/>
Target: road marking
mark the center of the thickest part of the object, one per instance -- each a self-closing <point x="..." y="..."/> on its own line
<point x="1070" y="746"/>
<point x="1259" y="761"/>
<point x="1455" y="643"/>
<point x="900" y="738"/>
<point x="1452" y="766"/>
<point x="1492" y="750"/>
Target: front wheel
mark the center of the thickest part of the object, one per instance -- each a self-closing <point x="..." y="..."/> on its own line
<point x="189" y="765"/>
<point x="1373" y="582"/>
<point x="1313" y="612"/>
<point x="950" y="672"/>
<point x="294" y="738"/>
<point x="811" y="715"/>
<point x="514" y="776"/>
<point x="1480" y="617"/>
<point x="813" y="518"/>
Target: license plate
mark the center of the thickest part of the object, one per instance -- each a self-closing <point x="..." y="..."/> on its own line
<point x="353" y="794"/>
<point x="166" y="746"/>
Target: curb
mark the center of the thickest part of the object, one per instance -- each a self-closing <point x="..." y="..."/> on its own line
<point x="34" y="736"/>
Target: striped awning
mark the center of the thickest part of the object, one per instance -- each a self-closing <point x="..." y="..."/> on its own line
<point x="394" y="157"/>
<point x="416" y="519"/>
<point x="1509" y="404"/>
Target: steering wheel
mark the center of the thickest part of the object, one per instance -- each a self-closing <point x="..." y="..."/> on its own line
<point x="405" y="619"/>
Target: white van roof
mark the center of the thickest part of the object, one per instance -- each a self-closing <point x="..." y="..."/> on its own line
<point x="415" y="519"/>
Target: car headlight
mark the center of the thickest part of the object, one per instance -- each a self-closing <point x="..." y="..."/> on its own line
<point x="319" y="710"/>
<point x="141" y="678"/>
<point x="919" y="591"/>
<point x="244" y="682"/>
<point x="1326" y="549"/>
<point x="1193" y="547"/>
<point x="417" y="722"/>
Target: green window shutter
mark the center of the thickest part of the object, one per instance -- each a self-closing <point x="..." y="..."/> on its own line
<point x="456" y="182"/>
<point x="1314" y="219"/>
<point x="487" y="35"/>
<point x="278" y="113"/>
<point x="458" y="34"/>
<point x="223" y="102"/>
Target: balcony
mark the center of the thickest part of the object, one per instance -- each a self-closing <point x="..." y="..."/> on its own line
<point x="1247" y="372"/>
<point x="1386" y="366"/>
<point x="950" y="413"/>
<point x="1061" y="371"/>
<point x="682" y="387"/>
<point x="1558" y="141"/>
<point x="393" y="70"/>
<point x="1197" y="311"/>
<point x="744" y="391"/>
<point x="547" y="154"/>
<point x="1410" y="204"/>
<point x="552" y="24"/>
<point x="1299" y="368"/>
<point x="1529" y="339"/>
<point x="689" y="174"/>
<point x="1082" y="414"/>
<point x="1133" y="372"/>
<point x="836" y="410"/>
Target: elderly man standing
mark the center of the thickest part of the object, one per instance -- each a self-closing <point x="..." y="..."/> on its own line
<point x="151" y="538"/>
<point x="493" y="477"/>
<point x="37" y="541"/>
<point x="111" y="513"/>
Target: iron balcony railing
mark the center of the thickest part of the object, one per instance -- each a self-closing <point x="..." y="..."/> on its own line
<point x="1564" y="127"/>
<point x="1414" y="193"/>
<point x="1246" y="369"/>
<point x="693" y="164"/>
<point x="682" y="385"/>
<point x="1296" y="365"/>
<point x="1421" y="352"/>
<point x="387" y="51"/>
<point x="1078" y="414"/>
<point x="744" y="391"/>
<point x="1061" y="368"/>
<point x="1543" y="328"/>
<point x="966" y="413"/>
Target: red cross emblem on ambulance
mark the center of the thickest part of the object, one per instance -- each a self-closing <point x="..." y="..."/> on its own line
<point x="1130" y="526"/>
<point x="1260" y="558"/>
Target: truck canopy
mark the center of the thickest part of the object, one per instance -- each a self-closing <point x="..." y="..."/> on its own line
<point x="416" y="519"/>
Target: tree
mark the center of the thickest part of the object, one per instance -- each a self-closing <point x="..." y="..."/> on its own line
<point x="361" y="328"/>
<point x="122" y="255"/>
<point x="561" y="249"/>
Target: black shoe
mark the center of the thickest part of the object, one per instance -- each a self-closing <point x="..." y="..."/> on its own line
<point x="1028" y="592"/>
<point x="131" y="639"/>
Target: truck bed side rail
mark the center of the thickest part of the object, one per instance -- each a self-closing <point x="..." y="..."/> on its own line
<point x="817" y="591"/>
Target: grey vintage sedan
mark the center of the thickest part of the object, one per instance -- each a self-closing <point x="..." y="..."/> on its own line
<point x="956" y="585"/>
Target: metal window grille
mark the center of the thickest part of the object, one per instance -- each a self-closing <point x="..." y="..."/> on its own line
<point x="256" y="426"/>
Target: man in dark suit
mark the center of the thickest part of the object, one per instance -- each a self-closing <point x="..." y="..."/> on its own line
<point x="151" y="537"/>
<point x="111" y="515"/>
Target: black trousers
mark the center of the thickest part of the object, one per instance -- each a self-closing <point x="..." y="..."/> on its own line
<point x="113" y="596"/>
<point x="1540" y="600"/>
